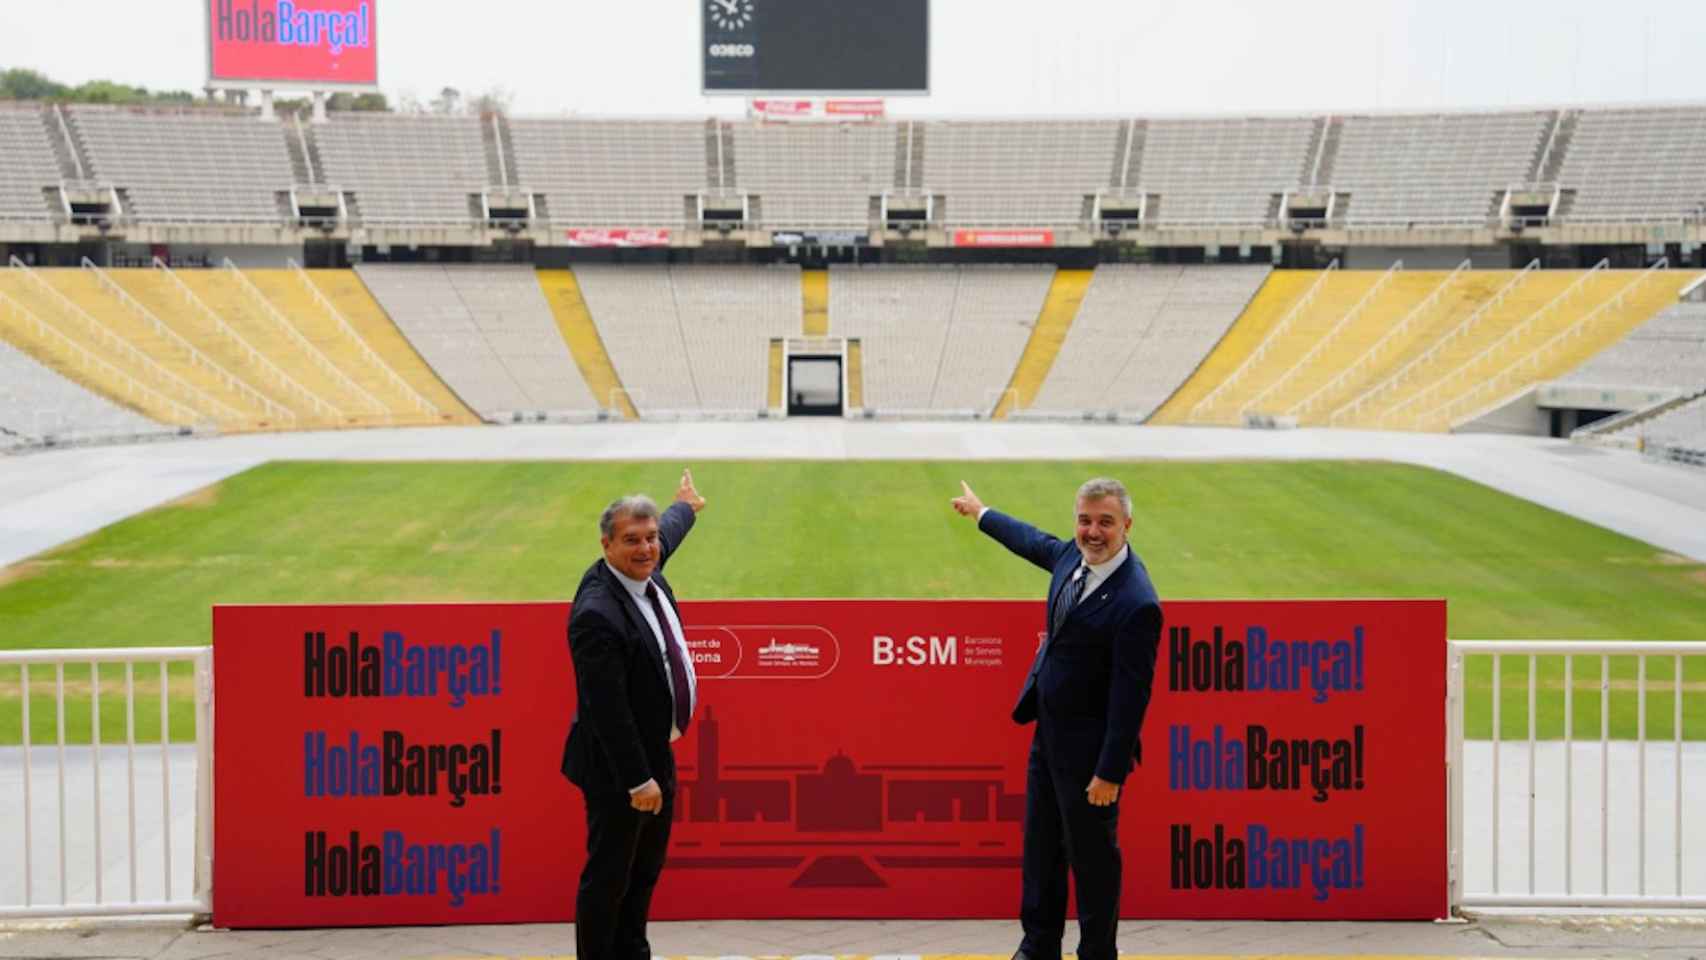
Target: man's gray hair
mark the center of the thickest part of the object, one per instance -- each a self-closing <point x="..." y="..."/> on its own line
<point x="636" y="505"/>
<point x="1100" y="487"/>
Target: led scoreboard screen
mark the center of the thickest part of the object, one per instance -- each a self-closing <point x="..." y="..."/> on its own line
<point x="301" y="43"/>
<point x="816" y="46"/>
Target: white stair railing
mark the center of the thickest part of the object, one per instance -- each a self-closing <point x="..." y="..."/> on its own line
<point x="133" y="390"/>
<point x="254" y="356"/>
<point x="373" y="358"/>
<point x="1321" y="345"/>
<point x="314" y="354"/>
<point x="1368" y="356"/>
<point x="204" y="403"/>
<point x="233" y="382"/>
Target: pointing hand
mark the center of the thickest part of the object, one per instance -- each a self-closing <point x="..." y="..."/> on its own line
<point x="967" y="503"/>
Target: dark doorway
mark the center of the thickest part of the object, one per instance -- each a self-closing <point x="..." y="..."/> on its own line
<point x="814" y="386"/>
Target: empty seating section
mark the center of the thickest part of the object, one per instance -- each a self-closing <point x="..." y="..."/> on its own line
<point x="1437" y="169"/>
<point x="347" y="295"/>
<point x="815" y="175"/>
<point x="692" y="338"/>
<point x="488" y="332"/>
<point x="943" y="339"/>
<point x="1140" y="333"/>
<point x="1683" y="427"/>
<point x="405" y="169"/>
<point x="197" y="167"/>
<point x="27" y="164"/>
<point x="37" y="403"/>
<point x="1211" y="172"/>
<point x="1017" y="174"/>
<point x="612" y="173"/>
<point x="1667" y="352"/>
<point x="1636" y="165"/>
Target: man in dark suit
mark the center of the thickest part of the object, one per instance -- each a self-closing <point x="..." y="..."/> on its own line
<point x="635" y="692"/>
<point x="1087" y="691"/>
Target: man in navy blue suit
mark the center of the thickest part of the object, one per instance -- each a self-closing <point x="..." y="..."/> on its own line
<point x="1087" y="691"/>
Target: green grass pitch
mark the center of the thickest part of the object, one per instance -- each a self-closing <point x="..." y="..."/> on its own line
<point x="347" y="532"/>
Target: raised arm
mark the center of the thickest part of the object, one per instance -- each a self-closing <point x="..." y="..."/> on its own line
<point x="677" y="521"/>
<point x="1040" y="548"/>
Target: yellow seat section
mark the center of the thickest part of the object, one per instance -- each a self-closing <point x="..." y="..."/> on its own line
<point x="293" y="296"/>
<point x="1555" y="341"/>
<point x="1054" y="321"/>
<point x="351" y="298"/>
<point x="814" y="302"/>
<point x="855" y="375"/>
<point x="298" y="371"/>
<point x="1385" y="349"/>
<point x="1440" y="370"/>
<point x="774" y="393"/>
<point x="1343" y="343"/>
<point x="1280" y="292"/>
<point x="574" y="321"/>
<point x="77" y="347"/>
<point x="237" y="404"/>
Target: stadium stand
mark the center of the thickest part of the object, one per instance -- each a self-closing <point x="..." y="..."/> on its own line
<point x="1667" y="352"/>
<point x="1012" y="174"/>
<point x="1140" y="333"/>
<point x="1065" y="298"/>
<point x="574" y="322"/>
<point x="187" y="167"/>
<point x="1435" y="169"/>
<point x="814" y="176"/>
<point x="613" y="173"/>
<point x="1221" y="172"/>
<point x="26" y="156"/>
<point x="1679" y="433"/>
<point x="39" y="405"/>
<point x="1635" y="165"/>
<point x="488" y="333"/>
<point x="692" y="339"/>
<point x="937" y="339"/>
<point x="405" y="169"/>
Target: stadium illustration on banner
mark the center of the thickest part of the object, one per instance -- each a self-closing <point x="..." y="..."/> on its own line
<point x="1115" y="469"/>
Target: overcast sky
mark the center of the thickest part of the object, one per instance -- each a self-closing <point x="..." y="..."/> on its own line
<point x="992" y="57"/>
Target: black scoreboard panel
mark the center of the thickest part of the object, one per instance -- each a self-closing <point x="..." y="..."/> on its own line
<point x="877" y="47"/>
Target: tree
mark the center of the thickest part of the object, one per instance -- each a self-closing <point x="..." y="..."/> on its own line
<point x="21" y="84"/>
<point x="448" y="101"/>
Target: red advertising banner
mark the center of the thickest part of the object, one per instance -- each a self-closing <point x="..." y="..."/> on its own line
<point x="618" y="238"/>
<point x="780" y="109"/>
<point x="857" y="109"/>
<point x="1003" y="238"/>
<point x="311" y="43"/>
<point x="399" y="764"/>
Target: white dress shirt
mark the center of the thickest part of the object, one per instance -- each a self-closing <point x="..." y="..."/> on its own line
<point x="637" y="589"/>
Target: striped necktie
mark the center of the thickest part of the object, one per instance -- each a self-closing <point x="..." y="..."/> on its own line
<point x="1069" y="597"/>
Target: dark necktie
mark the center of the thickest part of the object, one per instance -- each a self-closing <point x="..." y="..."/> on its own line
<point x="1069" y="597"/>
<point x="677" y="665"/>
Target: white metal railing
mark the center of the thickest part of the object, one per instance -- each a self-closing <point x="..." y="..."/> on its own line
<point x="196" y="897"/>
<point x="1552" y="794"/>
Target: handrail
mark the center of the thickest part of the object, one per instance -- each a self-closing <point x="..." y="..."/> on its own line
<point x="88" y="358"/>
<point x="1397" y="378"/>
<point x="1324" y="342"/>
<point x="1396" y="330"/>
<point x="1450" y="376"/>
<point x="1572" y="330"/>
<point x="314" y="353"/>
<point x="117" y="342"/>
<point x="231" y="380"/>
<point x="1284" y="324"/>
<point x="373" y="357"/>
<point x="253" y="355"/>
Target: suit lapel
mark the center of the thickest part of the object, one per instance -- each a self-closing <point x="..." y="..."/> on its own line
<point x="1110" y="588"/>
<point x="648" y="642"/>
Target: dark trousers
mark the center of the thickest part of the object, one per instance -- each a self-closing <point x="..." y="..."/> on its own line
<point x="1063" y="830"/>
<point x="625" y="852"/>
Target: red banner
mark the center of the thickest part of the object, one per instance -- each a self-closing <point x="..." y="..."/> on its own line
<point x="857" y="109"/>
<point x="303" y="42"/>
<point x="399" y="764"/>
<point x="618" y="238"/>
<point x="780" y="109"/>
<point x="1003" y="238"/>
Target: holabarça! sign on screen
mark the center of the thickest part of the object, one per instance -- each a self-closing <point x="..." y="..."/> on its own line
<point x="399" y="764"/>
<point x="307" y="43"/>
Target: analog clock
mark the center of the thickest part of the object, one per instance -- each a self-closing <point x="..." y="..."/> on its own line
<point x="731" y="14"/>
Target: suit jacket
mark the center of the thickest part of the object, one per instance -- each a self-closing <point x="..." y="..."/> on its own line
<point x="619" y="737"/>
<point x="1089" y="685"/>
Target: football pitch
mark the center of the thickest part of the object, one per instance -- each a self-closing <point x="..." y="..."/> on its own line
<point x="371" y="532"/>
